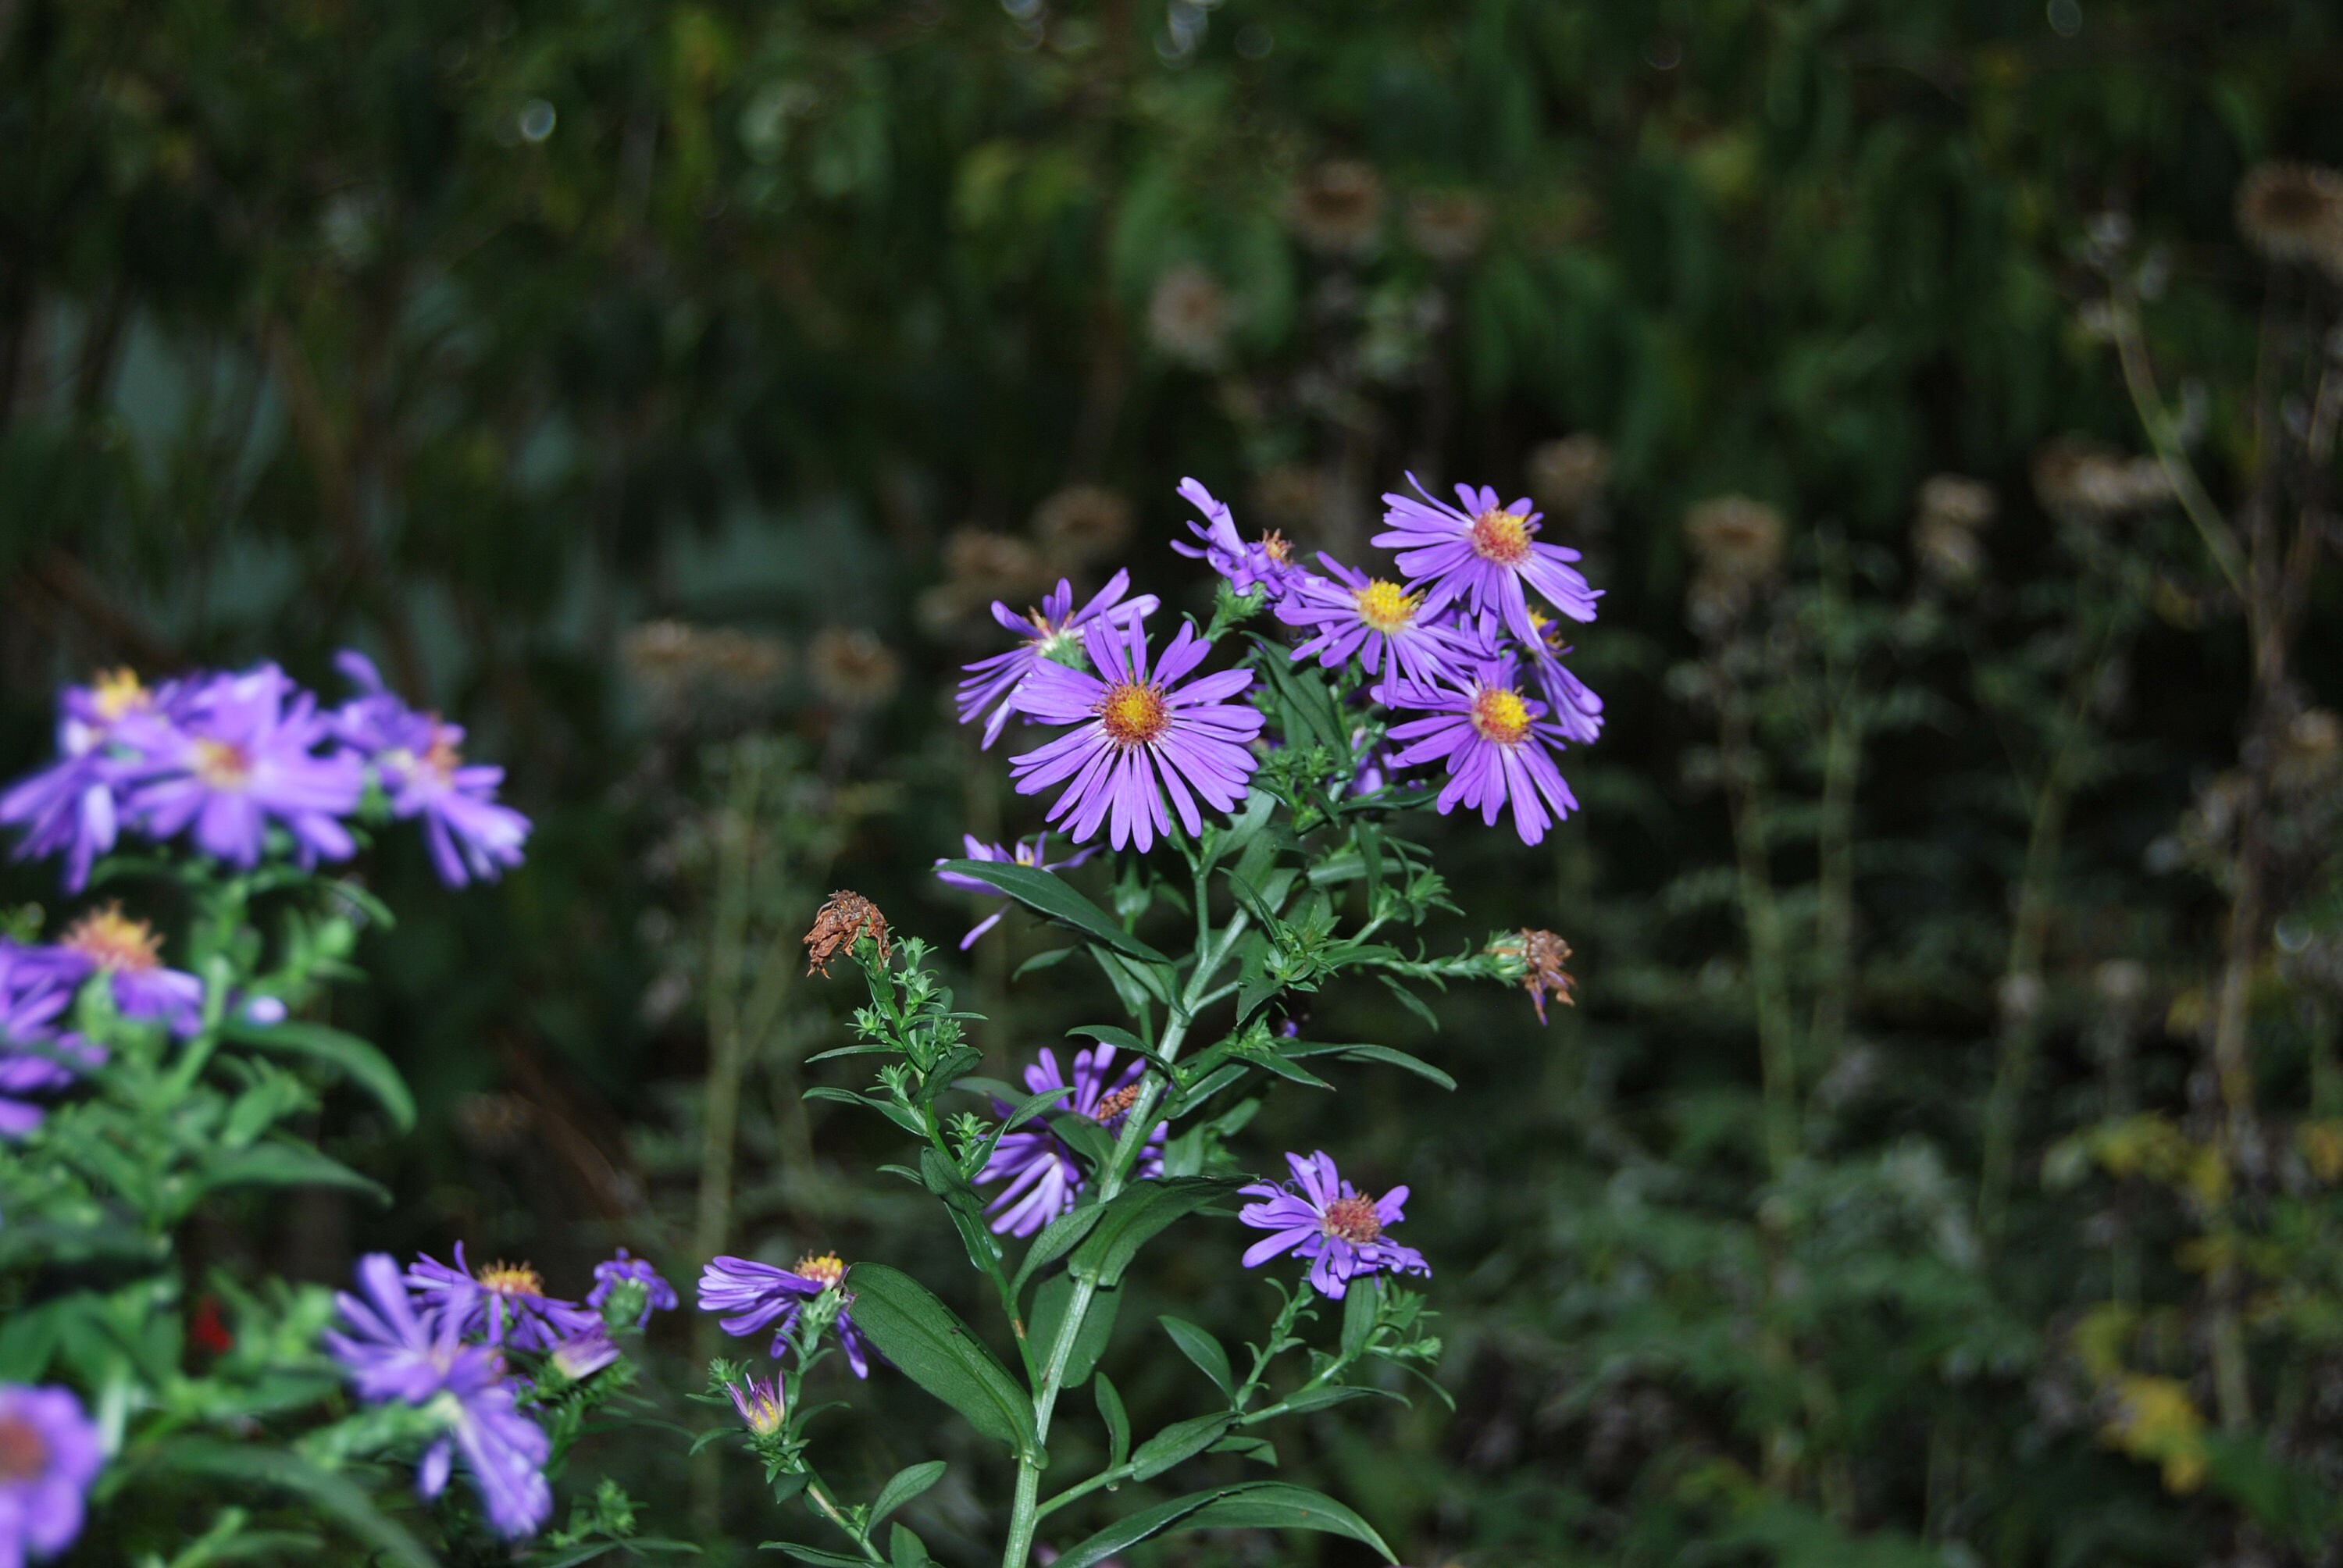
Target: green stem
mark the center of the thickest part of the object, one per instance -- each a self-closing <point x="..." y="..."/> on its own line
<point x="827" y="1506"/>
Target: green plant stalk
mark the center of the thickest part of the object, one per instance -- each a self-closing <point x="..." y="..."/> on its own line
<point x="1776" y="1050"/>
<point x="1843" y="738"/>
<point x="1025" y="1512"/>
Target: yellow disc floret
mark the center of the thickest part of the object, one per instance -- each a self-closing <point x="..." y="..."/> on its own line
<point x="826" y="1269"/>
<point x="1353" y="1220"/>
<point x="1133" y="714"/>
<point x="1501" y="537"/>
<point x="511" y="1280"/>
<point x="117" y="691"/>
<point x="1500" y="716"/>
<point x="112" y="941"/>
<point x="1386" y="606"/>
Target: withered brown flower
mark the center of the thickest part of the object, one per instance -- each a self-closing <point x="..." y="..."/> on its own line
<point x="844" y="919"/>
<point x="1541" y="955"/>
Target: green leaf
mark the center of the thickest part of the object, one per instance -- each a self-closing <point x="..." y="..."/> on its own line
<point x="1050" y="1304"/>
<point x="1413" y="1002"/>
<point x="279" y="1164"/>
<point x="360" y="1062"/>
<point x="1136" y="1217"/>
<point x="1183" y="1440"/>
<point x="1022" y="1111"/>
<point x="1361" y="1307"/>
<point x="1135" y="984"/>
<point x="1086" y="1137"/>
<point x="929" y="1345"/>
<point x="905" y="1550"/>
<point x="1043" y="960"/>
<point x="1199" y="1346"/>
<point x="1117" y="1421"/>
<point x="902" y="1116"/>
<point x="814" y="1554"/>
<point x="907" y="1484"/>
<point x="1312" y="1399"/>
<point x="1049" y="894"/>
<point x="1244" y="1445"/>
<point x="1380" y="1053"/>
<point x="1251" y="1504"/>
<point x="283" y="1470"/>
<point x="1057" y="1238"/>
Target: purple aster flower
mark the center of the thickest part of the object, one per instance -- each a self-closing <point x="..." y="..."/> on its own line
<point x="1266" y="564"/>
<point x="49" y="1453"/>
<point x="1483" y="554"/>
<point x="395" y="1352"/>
<point x="32" y="999"/>
<point x="761" y="1404"/>
<point x="1042" y="1173"/>
<point x="1569" y="703"/>
<point x="1137" y="729"/>
<point x="1321" y="1217"/>
<point x="72" y="806"/>
<point x="239" y="754"/>
<point x="128" y="952"/>
<point x="1495" y="743"/>
<point x="582" y="1355"/>
<point x="1051" y="632"/>
<point x="1021" y="854"/>
<point x="757" y="1294"/>
<point x="1378" y="621"/>
<point x="417" y="759"/>
<point x="504" y="1302"/>
<point x="623" y="1270"/>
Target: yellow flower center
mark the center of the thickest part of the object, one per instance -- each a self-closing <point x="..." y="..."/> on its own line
<point x="1274" y="546"/>
<point x="1133" y="714"/>
<point x="1386" y="606"/>
<point x="762" y="1409"/>
<point x="117" y="691"/>
<point x="1501" y="537"/>
<point x="825" y="1269"/>
<point x="24" y="1451"/>
<point x="1500" y="716"/>
<point x="112" y="941"/>
<point x="1353" y="1220"/>
<point x="511" y="1280"/>
<point x="222" y="766"/>
<point x="440" y="757"/>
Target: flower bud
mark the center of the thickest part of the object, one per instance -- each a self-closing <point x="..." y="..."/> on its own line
<point x="759" y="1402"/>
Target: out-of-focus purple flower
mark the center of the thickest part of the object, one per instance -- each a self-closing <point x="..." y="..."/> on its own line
<point x="1052" y="632"/>
<point x="418" y="761"/>
<point x="1495" y="743"/>
<point x="633" y="1272"/>
<point x="758" y="1399"/>
<point x="49" y="1453"/>
<point x="1141" y="735"/>
<point x="757" y="1294"/>
<point x="1482" y="553"/>
<point x="32" y="1000"/>
<point x="1019" y="853"/>
<point x="393" y="1351"/>
<point x="73" y="805"/>
<point x="128" y="952"/>
<point x="580" y="1356"/>
<point x="502" y="1302"/>
<point x="237" y="753"/>
<point x="1042" y="1173"/>
<point x="1266" y="564"/>
<point x="1321" y="1217"/>
<point x="1379" y="622"/>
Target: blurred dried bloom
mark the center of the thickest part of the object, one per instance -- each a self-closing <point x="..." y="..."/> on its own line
<point x="1735" y="537"/>
<point x="1189" y="316"/>
<point x="2019" y="998"/>
<point x="1447" y="226"/>
<point x="2122" y="983"/>
<point x="2082" y="480"/>
<point x="851" y="669"/>
<point x="982" y="565"/>
<point x="844" y="919"/>
<point x="2308" y="752"/>
<point x="1293" y="494"/>
<point x="2293" y="212"/>
<point x="1539" y="956"/>
<point x="1953" y="511"/>
<point x="681" y="668"/>
<point x="493" y="1123"/>
<point x="1338" y="207"/>
<point x="1569" y="474"/>
<point x="1083" y="523"/>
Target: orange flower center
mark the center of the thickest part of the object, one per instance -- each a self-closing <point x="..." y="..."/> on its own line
<point x="441" y="756"/>
<point x="1501" y="537"/>
<point x="1386" y="606"/>
<point x="825" y="1269"/>
<point x="511" y="1280"/>
<point x="1500" y="716"/>
<point x="1133" y="714"/>
<point x="1274" y="546"/>
<point x="112" y="941"/>
<point x="24" y="1451"/>
<point x="117" y="691"/>
<point x="1353" y="1220"/>
<point x="1114" y="1108"/>
<point x="222" y="766"/>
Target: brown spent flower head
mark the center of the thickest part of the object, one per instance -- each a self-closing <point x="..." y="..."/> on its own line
<point x="2309" y="751"/>
<point x="1083" y="523"/>
<point x="1568" y="475"/>
<point x="1292" y="495"/>
<point x="677" y="665"/>
<point x="1189" y="316"/>
<point x="2082" y="480"/>
<point x="1447" y="226"/>
<point x="984" y="565"/>
<point x="1737" y="538"/>
<point x="844" y="919"/>
<point x="1954" y="510"/>
<point x="2293" y="212"/>
<point x="1541" y="955"/>
<point x="1337" y="209"/>
<point x="851" y="669"/>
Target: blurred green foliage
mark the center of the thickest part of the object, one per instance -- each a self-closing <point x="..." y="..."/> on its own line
<point x="615" y="368"/>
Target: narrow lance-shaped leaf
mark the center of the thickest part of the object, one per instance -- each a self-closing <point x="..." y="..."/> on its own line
<point x="929" y="1343"/>
<point x="1049" y="894"/>
<point x="1252" y="1504"/>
